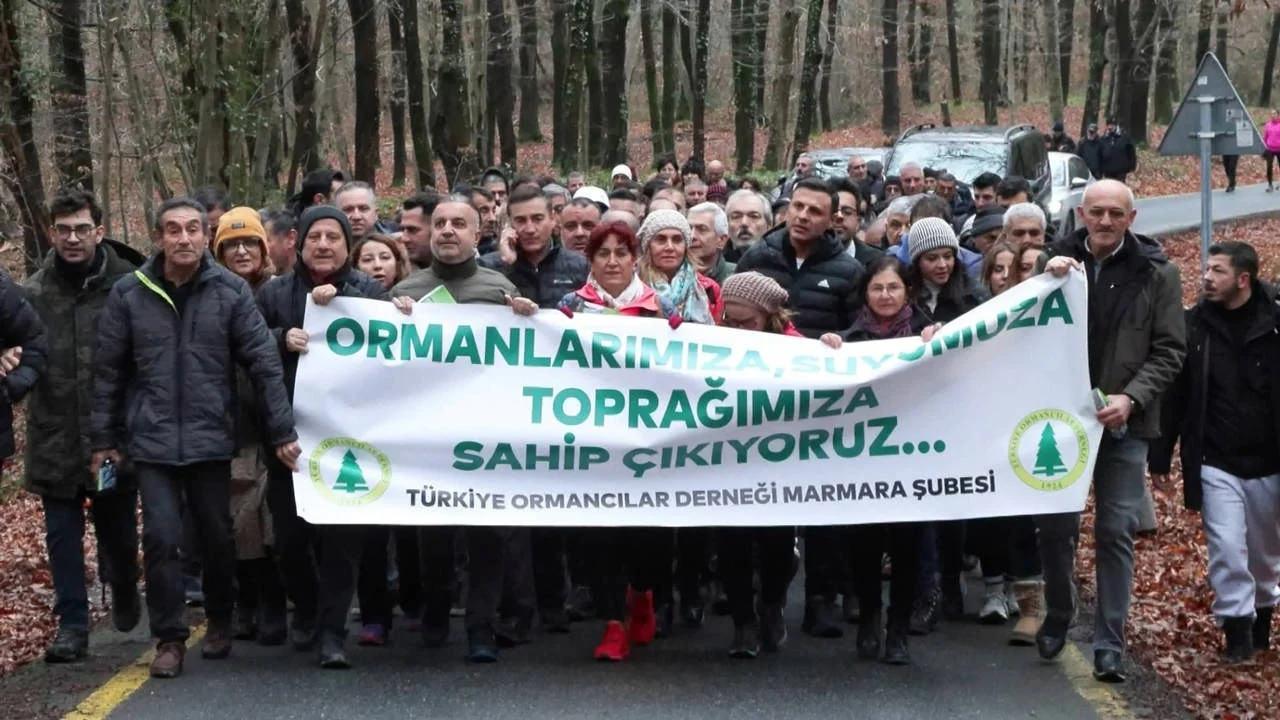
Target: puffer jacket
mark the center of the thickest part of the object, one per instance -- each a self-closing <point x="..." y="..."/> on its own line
<point x="1137" y="333"/>
<point x="169" y="377"/>
<point x="57" y="459"/>
<point x="824" y="288"/>
<point x="283" y="301"/>
<point x="20" y="326"/>
<point x="547" y="282"/>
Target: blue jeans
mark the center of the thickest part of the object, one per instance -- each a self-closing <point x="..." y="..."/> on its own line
<point x="116" y="526"/>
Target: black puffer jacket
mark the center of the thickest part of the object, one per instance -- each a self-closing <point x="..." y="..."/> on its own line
<point x="283" y="301"/>
<point x="20" y="326"/>
<point x="171" y="377"/>
<point x="560" y="272"/>
<point x="824" y="289"/>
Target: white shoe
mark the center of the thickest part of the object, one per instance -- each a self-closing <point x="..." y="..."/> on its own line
<point x="994" y="609"/>
<point x="1010" y="600"/>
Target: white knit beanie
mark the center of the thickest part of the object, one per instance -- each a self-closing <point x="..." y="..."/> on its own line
<point x="659" y="220"/>
<point x="931" y="234"/>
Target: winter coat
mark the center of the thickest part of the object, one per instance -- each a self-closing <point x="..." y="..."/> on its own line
<point x="649" y="304"/>
<point x="1137" y="334"/>
<point x="859" y="332"/>
<point x="283" y="301"/>
<point x="864" y="253"/>
<point x="466" y="281"/>
<point x="1271" y="136"/>
<point x="20" y="326"/>
<point x="949" y="308"/>
<point x="1061" y="143"/>
<point x="824" y="288"/>
<point x="57" y="459"/>
<point x="721" y="270"/>
<point x="545" y="283"/>
<point x="1119" y="157"/>
<point x="1251" y="376"/>
<point x="168" y="374"/>
<point x="1090" y="150"/>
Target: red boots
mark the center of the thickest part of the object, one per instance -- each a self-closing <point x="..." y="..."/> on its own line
<point x="643" y="623"/>
<point x="614" y="647"/>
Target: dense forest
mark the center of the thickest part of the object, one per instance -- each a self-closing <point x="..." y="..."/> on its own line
<point x="142" y="99"/>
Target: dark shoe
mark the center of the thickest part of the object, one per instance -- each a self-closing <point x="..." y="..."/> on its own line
<point x="895" y="646"/>
<point x="822" y="613"/>
<point x="168" y="660"/>
<point x="555" y="621"/>
<point x="1051" y="638"/>
<point x="193" y="591"/>
<point x="69" y="645"/>
<point x="746" y="642"/>
<point x="1231" y="188"/>
<point x="435" y="634"/>
<point x="332" y="654"/>
<point x="217" y="641"/>
<point x="1239" y="637"/>
<point x="1262" y="629"/>
<point x="691" y="616"/>
<point x="1108" y="666"/>
<point x="924" y="614"/>
<point x="580" y="605"/>
<point x="126" y="607"/>
<point x="869" y="635"/>
<point x="773" y="628"/>
<point x="372" y="635"/>
<point x="512" y="632"/>
<point x="302" y="638"/>
<point x="246" y="625"/>
<point x="482" y="646"/>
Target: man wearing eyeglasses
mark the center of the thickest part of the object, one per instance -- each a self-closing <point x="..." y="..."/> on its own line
<point x="1137" y="341"/>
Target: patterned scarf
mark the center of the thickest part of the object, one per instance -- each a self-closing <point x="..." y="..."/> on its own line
<point x="684" y="292"/>
<point x="897" y="326"/>
<point x="627" y="297"/>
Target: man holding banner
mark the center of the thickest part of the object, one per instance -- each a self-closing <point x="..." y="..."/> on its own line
<point x="1137" y="341"/>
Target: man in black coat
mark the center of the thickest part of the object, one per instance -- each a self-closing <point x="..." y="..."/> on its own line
<point x="1119" y="157"/>
<point x="24" y="358"/>
<point x="168" y="339"/>
<point x="1225" y="406"/>
<point x="1090" y="150"/>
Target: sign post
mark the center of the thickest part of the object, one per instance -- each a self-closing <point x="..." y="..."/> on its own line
<point x="1220" y="125"/>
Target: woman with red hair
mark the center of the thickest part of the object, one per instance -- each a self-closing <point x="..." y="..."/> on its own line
<point x="613" y="285"/>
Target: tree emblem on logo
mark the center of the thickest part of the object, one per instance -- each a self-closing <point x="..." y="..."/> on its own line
<point x="350" y="476"/>
<point x="1048" y="457"/>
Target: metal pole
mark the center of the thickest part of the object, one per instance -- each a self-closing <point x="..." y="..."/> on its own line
<point x="1206" y="189"/>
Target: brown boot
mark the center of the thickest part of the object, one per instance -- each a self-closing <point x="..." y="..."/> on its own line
<point x="217" y="641"/>
<point x="1030" y="597"/>
<point x="168" y="661"/>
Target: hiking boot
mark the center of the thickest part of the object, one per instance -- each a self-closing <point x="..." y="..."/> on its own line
<point x="614" y="646"/>
<point x="332" y="654"/>
<point x="869" y="635"/>
<point x="995" y="611"/>
<point x="126" y="607"/>
<point x="69" y="645"/>
<point x="773" y="627"/>
<point x="1239" y="637"/>
<point x="217" y="641"/>
<point x="821" y="612"/>
<point x="746" y="642"/>
<point x="168" y="660"/>
<point x="1262" y="629"/>
<point x="1029" y="595"/>
<point x="895" y="646"/>
<point x="643" y="626"/>
<point x="924" y="612"/>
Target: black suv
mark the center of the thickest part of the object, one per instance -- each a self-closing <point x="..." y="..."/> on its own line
<point x="967" y="152"/>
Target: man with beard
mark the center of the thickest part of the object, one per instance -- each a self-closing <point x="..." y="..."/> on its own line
<point x="749" y="219"/>
<point x="577" y="220"/>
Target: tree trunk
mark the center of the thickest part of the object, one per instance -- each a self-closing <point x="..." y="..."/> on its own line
<point x="1269" y="67"/>
<point x="1066" y="43"/>
<point x="742" y="38"/>
<point x="22" y="178"/>
<point x="501" y="98"/>
<point x="527" y="12"/>
<point x="595" y="96"/>
<point x="953" y="52"/>
<point x="72" y="151"/>
<point x="452" y="122"/>
<point x="1204" y="30"/>
<point x="781" y="110"/>
<point x="828" y="57"/>
<point x="684" y="101"/>
<point x="613" y="43"/>
<point x="561" y="13"/>
<point x="1051" y="65"/>
<point x="1166" y="90"/>
<point x="670" y="77"/>
<point x="701" y="47"/>
<point x="417" y="78"/>
<point x="304" y="43"/>
<point x="891" y="110"/>
<point x="1144" y="61"/>
<point x="364" y="37"/>
<point x="808" y="80"/>
<point x="1024" y="49"/>
<point x="990" y="81"/>
<point x="575" y="78"/>
<point x="924" y="54"/>
<point x="1097" y="63"/>
<point x="760" y="17"/>
<point x="396" y="100"/>
<point x="913" y="50"/>
<point x="1125" y="60"/>
<point x="657" y="137"/>
<point x="1222" y="29"/>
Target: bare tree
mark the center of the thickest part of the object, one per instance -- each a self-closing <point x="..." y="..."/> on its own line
<point x="782" y="84"/>
<point x="990" y="90"/>
<point x="304" y="42"/>
<point x="451" y="125"/>
<point x="397" y="88"/>
<point x="72" y="152"/>
<point x="808" y="80"/>
<point x="1066" y="41"/>
<point x="891" y="108"/>
<point x="953" y="50"/>
<point x="17" y="136"/>
<point x="701" y="46"/>
<point x="650" y="58"/>
<point x="828" y="58"/>
<point x="417" y="79"/>
<point x="613" y="41"/>
<point x="742" y="38"/>
<point x="527" y="11"/>
<point x="1097" y="63"/>
<point x="1051" y="65"/>
<point x="501" y="100"/>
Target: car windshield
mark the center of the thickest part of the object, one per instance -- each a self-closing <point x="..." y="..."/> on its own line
<point x="965" y="160"/>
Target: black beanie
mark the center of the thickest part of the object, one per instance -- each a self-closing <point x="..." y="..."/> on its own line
<point x="322" y="212"/>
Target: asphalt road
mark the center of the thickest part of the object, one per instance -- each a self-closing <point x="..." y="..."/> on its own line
<point x="1176" y="213"/>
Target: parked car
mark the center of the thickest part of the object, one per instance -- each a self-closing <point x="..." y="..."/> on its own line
<point x="967" y="152"/>
<point x="1070" y="179"/>
<point x="831" y="163"/>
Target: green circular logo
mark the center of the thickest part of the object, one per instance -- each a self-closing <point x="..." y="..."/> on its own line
<point x="343" y="480"/>
<point x="1049" y="450"/>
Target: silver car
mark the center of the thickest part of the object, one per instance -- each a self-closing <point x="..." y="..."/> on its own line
<point x="1070" y="178"/>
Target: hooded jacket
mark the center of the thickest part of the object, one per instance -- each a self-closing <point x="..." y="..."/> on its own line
<point x="823" y="288"/>
<point x="167" y="375"/>
<point x="1137" y="334"/>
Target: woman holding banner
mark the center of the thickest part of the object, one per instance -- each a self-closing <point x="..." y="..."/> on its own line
<point x="886" y="313"/>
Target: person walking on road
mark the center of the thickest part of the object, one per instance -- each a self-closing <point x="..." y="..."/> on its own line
<point x="1225" y="407"/>
<point x="1271" y="141"/>
<point x="168" y="337"/>
<point x="1137" y="341"/>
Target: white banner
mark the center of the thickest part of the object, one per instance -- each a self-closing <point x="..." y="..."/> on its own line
<point x="470" y="415"/>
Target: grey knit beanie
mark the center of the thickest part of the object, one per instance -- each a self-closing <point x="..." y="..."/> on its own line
<point x="659" y="220"/>
<point x="931" y="234"/>
<point x="756" y="289"/>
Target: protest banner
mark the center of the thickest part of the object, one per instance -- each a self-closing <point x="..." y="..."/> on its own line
<point x="471" y="415"/>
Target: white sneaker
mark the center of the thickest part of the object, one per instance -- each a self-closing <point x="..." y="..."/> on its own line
<point x="994" y="609"/>
<point x="1010" y="600"/>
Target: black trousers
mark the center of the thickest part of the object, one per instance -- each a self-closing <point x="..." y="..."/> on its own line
<point x="1229" y="164"/>
<point x="205" y="490"/>
<point x="295" y="546"/>
<point x="436" y="556"/>
<point x="738" y="547"/>
<point x="693" y="563"/>
<point x="622" y="556"/>
<point x="824" y="561"/>
<point x="371" y="585"/>
<point x="867" y="546"/>
<point x="116" y="526"/>
<point x="1006" y="546"/>
<point x="549" y="580"/>
<point x="497" y="557"/>
<point x="409" y="567"/>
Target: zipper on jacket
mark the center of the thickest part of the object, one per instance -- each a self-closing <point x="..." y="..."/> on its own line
<point x="177" y="347"/>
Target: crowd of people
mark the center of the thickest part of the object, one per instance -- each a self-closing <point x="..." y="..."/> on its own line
<point x="169" y="378"/>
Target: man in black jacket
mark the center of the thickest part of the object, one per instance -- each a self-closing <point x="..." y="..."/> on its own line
<point x="1225" y="406"/>
<point x="540" y="269"/>
<point x="22" y="336"/>
<point x="1090" y="150"/>
<point x="808" y="260"/>
<point x="1119" y="157"/>
<point x="167" y="338"/>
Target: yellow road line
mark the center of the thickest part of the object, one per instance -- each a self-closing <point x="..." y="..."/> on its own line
<point x="115" y="691"/>
<point x="1105" y="699"/>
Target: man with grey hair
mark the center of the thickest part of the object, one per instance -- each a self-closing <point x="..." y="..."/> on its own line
<point x="710" y="235"/>
<point x="558" y="196"/>
<point x="750" y="217"/>
<point x="357" y="201"/>
<point x="912" y="176"/>
<point x="897" y="218"/>
<point x="1025" y="222"/>
<point x="804" y="169"/>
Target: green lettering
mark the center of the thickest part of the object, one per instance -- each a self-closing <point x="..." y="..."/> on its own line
<point x="381" y="335"/>
<point x="1055" y="306"/>
<point x="570" y="350"/>
<point x="335" y="345"/>
<point x="463" y="345"/>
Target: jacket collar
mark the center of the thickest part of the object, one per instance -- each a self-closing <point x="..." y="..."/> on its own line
<point x="1261" y="308"/>
<point x="823" y="248"/>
